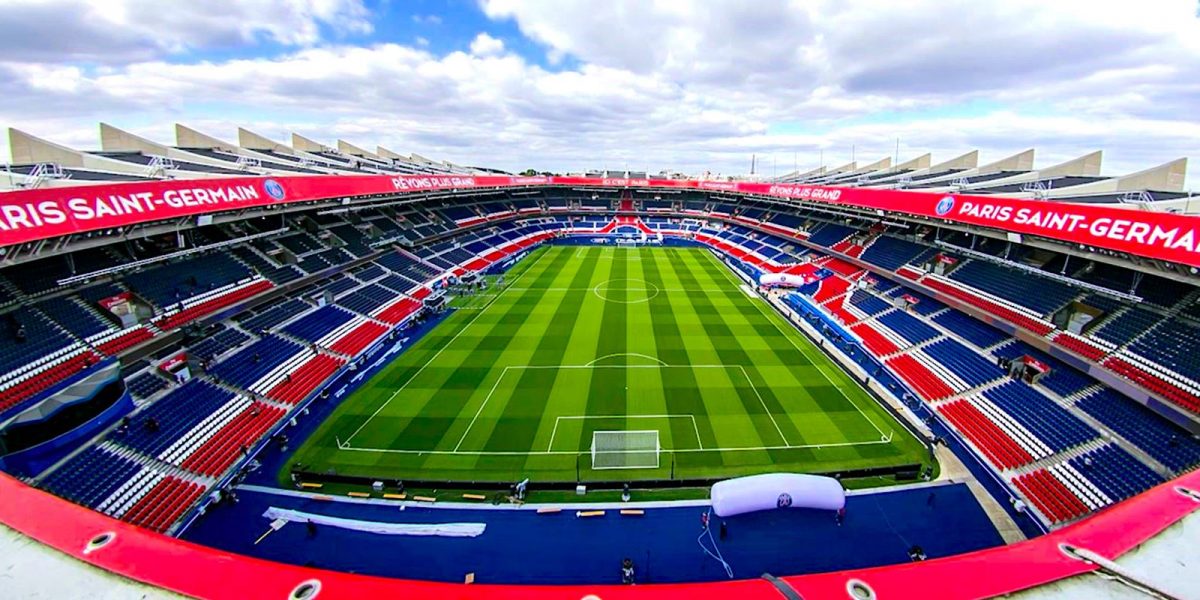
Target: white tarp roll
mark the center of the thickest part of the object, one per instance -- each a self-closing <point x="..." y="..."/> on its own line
<point x="421" y="529"/>
<point x="776" y="490"/>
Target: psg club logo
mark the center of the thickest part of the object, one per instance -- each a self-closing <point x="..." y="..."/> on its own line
<point x="945" y="205"/>
<point x="273" y="189"/>
<point x="784" y="501"/>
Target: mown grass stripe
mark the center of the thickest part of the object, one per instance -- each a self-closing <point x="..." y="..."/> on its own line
<point x="681" y="390"/>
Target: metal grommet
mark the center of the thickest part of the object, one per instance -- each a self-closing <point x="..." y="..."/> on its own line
<point x="306" y="590"/>
<point x="1188" y="493"/>
<point x="859" y="590"/>
<point x="1071" y="552"/>
<point x="99" y="542"/>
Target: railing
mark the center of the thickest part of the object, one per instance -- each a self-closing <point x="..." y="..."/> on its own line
<point x="159" y="167"/>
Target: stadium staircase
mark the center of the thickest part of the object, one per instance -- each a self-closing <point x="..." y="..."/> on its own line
<point x="1147" y="373"/>
<point x="1042" y="473"/>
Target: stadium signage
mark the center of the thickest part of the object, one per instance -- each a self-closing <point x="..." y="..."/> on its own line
<point x="1085" y="227"/>
<point x="805" y="192"/>
<point x="431" y="183"/>
<point x="84" y="208"/>
<point x="611" y="182"/>
<point x="29" y="215"/>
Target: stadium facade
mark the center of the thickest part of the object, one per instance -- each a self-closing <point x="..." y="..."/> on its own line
<point x="177" y="316"/>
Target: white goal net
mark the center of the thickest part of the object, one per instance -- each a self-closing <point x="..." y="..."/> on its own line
<point x="625" y="449"/>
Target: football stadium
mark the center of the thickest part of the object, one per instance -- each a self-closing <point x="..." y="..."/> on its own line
<point x="294" y="364"/>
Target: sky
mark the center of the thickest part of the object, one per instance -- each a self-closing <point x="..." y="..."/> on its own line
<point x="568" y="85"/>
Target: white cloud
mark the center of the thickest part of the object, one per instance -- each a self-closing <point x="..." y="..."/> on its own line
<point x="486" y="45"/>
<point x="113" y="31"/>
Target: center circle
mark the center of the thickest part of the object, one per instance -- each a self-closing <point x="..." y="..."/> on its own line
<point x="634" y="291"/>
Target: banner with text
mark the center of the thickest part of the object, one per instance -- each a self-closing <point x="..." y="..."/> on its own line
<point x="28" y="215"/>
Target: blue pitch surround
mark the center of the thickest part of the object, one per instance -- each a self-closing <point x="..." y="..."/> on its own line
<point x="521" y="546"/>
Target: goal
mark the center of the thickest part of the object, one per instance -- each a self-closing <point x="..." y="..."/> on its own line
<point x="625" y="449"/>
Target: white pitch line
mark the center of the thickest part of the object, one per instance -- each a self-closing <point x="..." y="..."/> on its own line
<point x="764" y="405"/>
<point x="699" y="442"/>
<point x="622" y="367"/>
<point x="441" y="350"/>
<point x="725" y="270"/>
<point x="627" y="289"/>
<point x="660" y="362"/>
<point x="480" y="411"/>
<point x="569" y="453"/>
<point x="554" y="431"/>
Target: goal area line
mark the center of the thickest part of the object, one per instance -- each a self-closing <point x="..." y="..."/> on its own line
<point x="554" y="432"/>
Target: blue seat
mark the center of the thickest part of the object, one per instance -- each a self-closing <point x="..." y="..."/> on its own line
<point x="27" y="335"/>
<point x="908" y="327"/>
<point x="316" y="324"/>
<point x="1170" y="445"/>
<point x="1062" y="379"/>
<point x="868" y="302"/>
<point x="1175" y="345"/>
<point x="177" y="413"/>
<point x="963" y="362"/>
<point x="1122" y="328"/>
<point x="891" y="253"/>
<point x="72" y="316"/>
<point x="217" y="343"/>
<point x="91" y="476"/>
<point x="1042" y="295"/>
<point x="145" y="385"/>
<point x="973" y="330"/>
<point x="1053" y="424"/>
<point x="268" y="318"/>
<point x="168" y="284"/>
<point x="254" y="361"/>
<point x="828" y="234"/>
<point x="1117" y="473"/>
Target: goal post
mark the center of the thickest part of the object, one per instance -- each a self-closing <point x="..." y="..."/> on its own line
<point x="625" y="449"/>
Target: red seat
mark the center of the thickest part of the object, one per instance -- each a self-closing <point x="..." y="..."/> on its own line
<point x="357" y="340"/>
<point x="1008" y="314"/>
<point x="1080" y="347"/>
<point x="1154" y="383"/>
<point x="305" y="379"/>
<point x="212" y="305"/>
<point x="875" y="341"/>
<point x="127" y="340"/>
<point x="46" y="379"/>
<point x="926" y="384"/>
<point x="1001" y="449"/>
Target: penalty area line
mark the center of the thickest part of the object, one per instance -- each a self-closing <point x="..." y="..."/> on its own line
<point x="442" y="349"/>
<point x="774" y="317"/>
<point x="576" y="453"/>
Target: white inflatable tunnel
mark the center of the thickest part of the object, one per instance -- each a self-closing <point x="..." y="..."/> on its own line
<point x="783" y="280"/>
<point x="776" y="490"/>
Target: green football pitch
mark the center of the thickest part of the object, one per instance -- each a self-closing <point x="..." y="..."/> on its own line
<point x="662" y="341"/>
